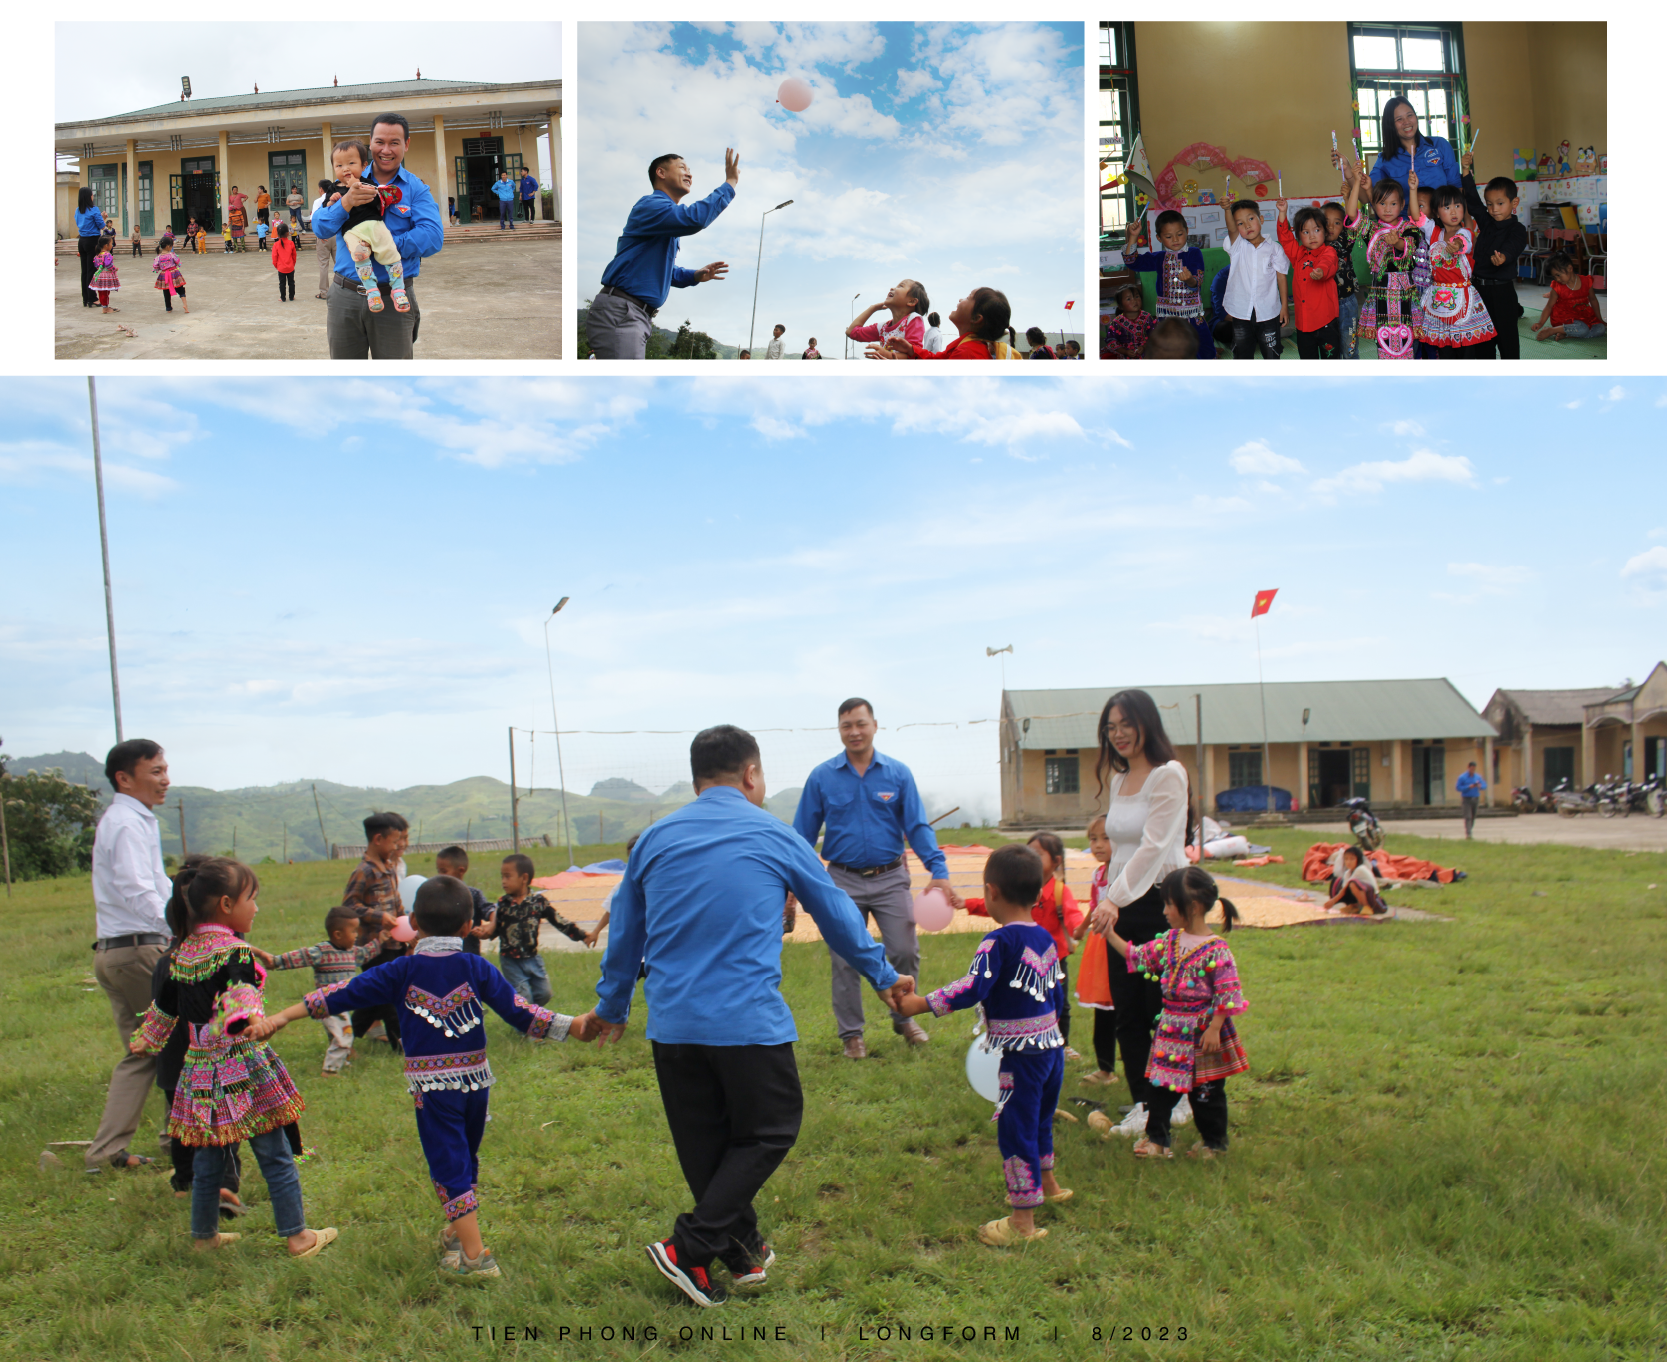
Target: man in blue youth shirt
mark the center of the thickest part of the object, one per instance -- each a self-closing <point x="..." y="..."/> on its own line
<point x="529" y="194"/>
<point x="352" y="329"/>
<point x="1470" y="786"/>
<point x="871" y="806"/>
<point x="644" y="269"/>
<point x="700" y="906"/>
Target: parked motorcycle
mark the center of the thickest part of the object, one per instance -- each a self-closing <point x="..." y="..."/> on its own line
<point x="1643" y="798"/>
<point x="1363" y="824"/>
<point x="1523" y="801"/>
<point x="1568" y="801"/>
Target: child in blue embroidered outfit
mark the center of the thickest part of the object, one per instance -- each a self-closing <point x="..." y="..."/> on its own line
<point x="332" y="961"/>
<point x="1015" y="978"/>
<point x="1180" y="271"/>
<point x="1196" y="1046"/>
<point x="231" y="1086"/>
<point x="440" y="989"/>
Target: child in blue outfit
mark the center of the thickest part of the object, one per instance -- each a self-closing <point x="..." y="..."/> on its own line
<point x="1016" y="980"/>
<point x="1180" y="270"/>
<point x="439" y="990"/>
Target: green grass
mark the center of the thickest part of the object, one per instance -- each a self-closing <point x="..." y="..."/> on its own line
<point x="1449" y="1146"/>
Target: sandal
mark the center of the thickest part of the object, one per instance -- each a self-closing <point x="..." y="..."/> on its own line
<point x="320" y="1239"/>
<point x="1099" y="1076"/>
<point x="1063" y="1194"/>
<point x="1203" y="1151"/>
<point x="1145" y="1149"/>
<point x="1001" y="1234"/>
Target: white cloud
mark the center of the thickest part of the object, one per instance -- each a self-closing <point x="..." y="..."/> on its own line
<point x="1572" y="406"/>
<point x="1423" y="465"/>
<point x="1662" y="400"/>
<point x="1615" y="394"/>
<point x="1257" y="457"/>
<point x="1649" y="567"/>
<point x="774" y="428"/>
<point x="31" y="461"/>
<point x="1491" y="578"/>
<point x="1404" y="428"/>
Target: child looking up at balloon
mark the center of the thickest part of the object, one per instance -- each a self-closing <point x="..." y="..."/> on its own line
<point x="1016" y="982"/>
<point x="1180" y="275"/>
<point x="907" y="303"/>
<point x="980" y="320"/>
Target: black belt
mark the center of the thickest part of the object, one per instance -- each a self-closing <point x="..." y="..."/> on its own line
<point x="868" y="872"/>
<point x="115" y="943"/>
<point x="629" y="297"/>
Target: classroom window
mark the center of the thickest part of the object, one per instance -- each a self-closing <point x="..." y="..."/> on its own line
<point x="1244" y="768"/>
<point x="1422" y="62"/>
<point x="1119" y="117"/>
<point x="1061" y="776"/>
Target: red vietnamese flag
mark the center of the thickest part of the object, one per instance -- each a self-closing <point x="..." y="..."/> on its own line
<point x="1070" y="305"/>
<point x="1264" y="599"/>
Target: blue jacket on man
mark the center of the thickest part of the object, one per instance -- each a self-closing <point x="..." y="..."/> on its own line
<point x="701" y="906"/>
<point x="645" y="261"/>
<point x="414" y="223"/>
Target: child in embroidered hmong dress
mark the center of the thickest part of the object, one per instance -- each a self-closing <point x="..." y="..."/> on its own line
<point x="231" y="1086"/>
<point x="1180" y="274"/>
<point x="1196" y="1047"/>
<point x="332" y="961"/>
<point x="105" y="281"/>
<point x="1093" y="970"/>
<point x="440" y="989"/>
<point x="1392" y="317"/>
<point x="1130" y="328"/>
<point x="1015" y="979"/>
<point x="168" y="277"/>
<point x="1342" y="230"/>
<point x="367" y="236"/>
<point x="1455" y="317"/>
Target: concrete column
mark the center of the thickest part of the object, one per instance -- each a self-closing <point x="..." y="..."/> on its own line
<point x="132" y="187"/>
<point x="555" y="162"/>
<point x="1208" y="803"/>
<point x="441" y="179"/>
<point x="1528" y="759"/>
<point x="223" y="163"/>
<point x="1487" y="772"/>
<point x="1302" y="773"/>
<point x="1398" y="771"/>
<point x="328" y="137"/>
<point x="1588" y="756"/>
<point x="1637" y="751"/>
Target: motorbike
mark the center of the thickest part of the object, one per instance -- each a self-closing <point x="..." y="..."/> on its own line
<point x="1363" y="824"/>
<point x="1568" y="801"/>
<point x="1523" y="801"/>
<point x="1647" y="797"/>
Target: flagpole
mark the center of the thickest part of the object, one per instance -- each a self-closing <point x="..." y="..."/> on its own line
<point x="1261" y="685"/>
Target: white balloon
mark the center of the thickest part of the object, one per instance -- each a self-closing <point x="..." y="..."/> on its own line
<point x="984" y="1071"/>
<point x="794" y="94"/>
<point x="408" y="890"/>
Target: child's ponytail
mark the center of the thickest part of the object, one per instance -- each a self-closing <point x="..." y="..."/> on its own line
<point x="178" y="911"/>
<point x="1229" y="915"/>
<point x="200" y="883"/>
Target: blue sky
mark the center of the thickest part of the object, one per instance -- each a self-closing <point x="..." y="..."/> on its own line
<point x="345" y="580"/>
<point x="944" y="152"/>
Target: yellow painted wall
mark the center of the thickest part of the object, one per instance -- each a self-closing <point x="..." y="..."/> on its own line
<point x="1221" y="82"/>
<point x="1530" y="84"/>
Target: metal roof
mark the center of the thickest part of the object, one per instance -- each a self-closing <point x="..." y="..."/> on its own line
<point x="1553" y="706"/>
<point x="1339" y="711"/>
<point x="387" y="89"/>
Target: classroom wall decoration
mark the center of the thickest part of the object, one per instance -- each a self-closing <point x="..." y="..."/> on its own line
<point x="1170" y="190"/>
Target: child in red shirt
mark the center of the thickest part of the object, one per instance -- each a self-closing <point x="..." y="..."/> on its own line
<point x="1570" y="310"/>
<point x="1056" y="912"/>
<point x="283" y="260"/>
<point x="1313" y="281"/>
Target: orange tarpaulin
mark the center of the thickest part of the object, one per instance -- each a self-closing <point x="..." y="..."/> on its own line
<point x="1316" y="865"/>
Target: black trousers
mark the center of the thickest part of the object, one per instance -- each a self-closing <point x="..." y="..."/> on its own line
<point x="1499" y="296"/>
<point x="88" y="248"/>
<point x="1209" y="1112"/>
<point x="1105" y="1039"/>
<point x="1065" y="998"/>
<point x="734" y="1112"/>
<point x="1249" y="337"/>
<point x="367" y="1017"/>
<point x="1324" y="343"/>
<point x="1138" y="1000"/>
<point x="286" y="278"/>
<point x="168" y="300"/>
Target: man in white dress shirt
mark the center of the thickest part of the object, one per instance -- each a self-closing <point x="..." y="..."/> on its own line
<point x="130" y="895"/>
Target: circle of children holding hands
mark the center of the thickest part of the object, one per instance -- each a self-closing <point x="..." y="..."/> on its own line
<point x="1440" y="279"/>
<point x="698" y="916"/>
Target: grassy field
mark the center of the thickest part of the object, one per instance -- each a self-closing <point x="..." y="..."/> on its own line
<point x="1449" y="1146"/>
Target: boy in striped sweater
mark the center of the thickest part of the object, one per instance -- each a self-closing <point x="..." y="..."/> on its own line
<point x="332" y="961"/>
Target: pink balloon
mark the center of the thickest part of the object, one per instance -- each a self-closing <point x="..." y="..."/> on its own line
<point x="932" y="911"/>
<point x="794" y="94"/>
<point x="403" y="930"/>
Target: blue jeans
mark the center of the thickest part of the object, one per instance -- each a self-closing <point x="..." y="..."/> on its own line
<point x="1583" y="330"/>
<point x="527" y="978"/>
<point x="506" y="213"/>
<point x="277" y="1166"/>
<point x="1348" y="318"/>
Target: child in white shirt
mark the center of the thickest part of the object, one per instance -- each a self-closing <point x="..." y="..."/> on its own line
<point x="1256" y="284"/>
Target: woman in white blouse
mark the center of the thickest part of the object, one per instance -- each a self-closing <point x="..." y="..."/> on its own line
<point x="1148" y="821"/>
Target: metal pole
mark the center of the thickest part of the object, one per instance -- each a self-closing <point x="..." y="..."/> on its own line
<point x="104" y="550"/>
<point x="757" y="270"/>
<point x="1267" y="759"/>
<point x="561" y="773"/>
<point x="1198" y="725"/>
<point x="184" y="846"/>
<point x="848" y="341"/>
<point x="5" y="847"/>
<point x="514" y="799"/>
<point x="323" y="836"/>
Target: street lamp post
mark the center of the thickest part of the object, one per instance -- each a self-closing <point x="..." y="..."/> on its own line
<point x="753" y="324"/>
<point x="561" y="773"/>
<point x="848" y="341"/>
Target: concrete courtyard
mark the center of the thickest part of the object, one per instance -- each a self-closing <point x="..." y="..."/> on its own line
<point x="478" y="301"/>
<point x="1637" y="833"/>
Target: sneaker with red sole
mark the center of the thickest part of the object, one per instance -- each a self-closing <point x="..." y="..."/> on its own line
<point x="754" y="1267"/>
<point x="693" y="1282"/>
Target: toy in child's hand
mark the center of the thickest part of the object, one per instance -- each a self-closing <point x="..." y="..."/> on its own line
<point x="402" y="930"/>
<point x="932" y="911"/>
